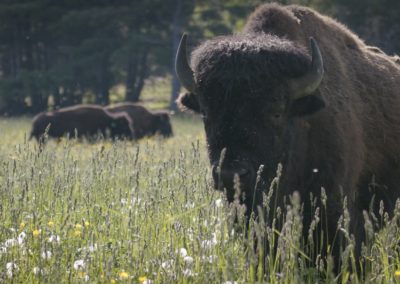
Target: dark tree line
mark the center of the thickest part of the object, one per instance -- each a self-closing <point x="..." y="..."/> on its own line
<point x="64" y="52"/>
<point x="59" y="53"/>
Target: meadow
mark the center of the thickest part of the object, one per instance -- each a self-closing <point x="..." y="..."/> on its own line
<point x="146" y="212"/>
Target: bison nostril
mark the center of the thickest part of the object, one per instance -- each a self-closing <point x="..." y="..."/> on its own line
<point x="224" y="177"/>
<point x="228" y="175"/>
<point x="242" y="172"/>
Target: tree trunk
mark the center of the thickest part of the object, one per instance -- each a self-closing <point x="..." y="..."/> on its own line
<point x="102" y="94"/>
<point x="56" y="98"/>
<point x="142" y="72"/>
<point x="39" y="101"/>
<point x="131" y="76"/>
<point x="176" y="29"/>
<point x="136" y="76"/>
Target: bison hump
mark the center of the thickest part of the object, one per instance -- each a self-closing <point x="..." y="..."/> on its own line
<point x="273" y="19"/>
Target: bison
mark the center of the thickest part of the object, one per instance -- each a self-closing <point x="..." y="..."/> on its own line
<point x="145" y="123"/>
<point x="86" y="120"/>
<point x="299" y="89"/>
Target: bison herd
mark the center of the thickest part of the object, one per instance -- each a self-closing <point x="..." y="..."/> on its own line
<point x="294" y="88"/>
<point x="121" y="121"/>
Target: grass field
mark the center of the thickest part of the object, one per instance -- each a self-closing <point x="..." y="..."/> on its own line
<point x="146" y="213"/>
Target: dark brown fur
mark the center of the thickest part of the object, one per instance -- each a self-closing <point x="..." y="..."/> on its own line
<point x="87" y="120"/>
<point x="145" y="123"/>
<point x="242" y="91"/>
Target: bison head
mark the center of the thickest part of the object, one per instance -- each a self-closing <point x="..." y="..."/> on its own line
<point x="40" y="123"/>
<point x="163" y="124"/>
<point x="254" y="93"/>
<point x="121" y="126"/>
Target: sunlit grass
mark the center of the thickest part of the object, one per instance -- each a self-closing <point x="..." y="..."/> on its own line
<point x="146" y="212"/>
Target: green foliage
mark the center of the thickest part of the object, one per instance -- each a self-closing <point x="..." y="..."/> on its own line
<point x="81" y="47"/>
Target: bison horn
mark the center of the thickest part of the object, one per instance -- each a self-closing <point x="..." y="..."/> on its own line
<point x="182" y="68"/>
<point x="309" y="82"/>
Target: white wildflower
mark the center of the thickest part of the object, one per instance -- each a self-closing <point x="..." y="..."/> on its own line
<point x="91" y="248"/>
<point x="10" y="243"/>
<point x="29" y="216"/>
<point x="182" y="252"/>
<point x="189" y="205"/>
<point x="38" y="271"/>
<point x="79" y="264"/>
<point x="190" y="234"/>
<point x="46" y="254"/>
<point x="135" y="201"/>
<point x="207" y="244"/>
<point x="209" y="259"/>
<point x="229" y="282"/>
<point x="54" y="239"/>
<point x="188" y="260"/>
<point x="168" y="265"/>
<point x="21" y="238"/>
<point x="218" y="203"/>
<point x="188" y="273"/>
<point x="148" y="281"/>
<point x="3" y="250"/>
<point x="11" y="269"/>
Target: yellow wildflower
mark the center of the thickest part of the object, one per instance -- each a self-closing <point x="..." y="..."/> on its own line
<point x="50" y="223"/>
<point x="81" y="274"/>
<point x="87" y="223"/>
<point x="141" y="279"/>
<point x="123" y="275"/>
<point x="397" y="274"/>
<point x="78" y="226"/>
<point x="21" y="225"/>
<point x="77" y="233"/>
<point x="36" y="233"/>
<point x="112" y="281"/>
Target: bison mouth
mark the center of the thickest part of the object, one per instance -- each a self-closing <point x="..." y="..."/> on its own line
<point x="238" y="178"/>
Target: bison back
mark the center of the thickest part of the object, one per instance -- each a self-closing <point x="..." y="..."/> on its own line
<point x="142" y="119"/>
<point x="86" y="120"/>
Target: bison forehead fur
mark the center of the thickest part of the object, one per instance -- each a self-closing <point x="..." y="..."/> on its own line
<point x="249" y="59"/>
<point x="340" y="133"/>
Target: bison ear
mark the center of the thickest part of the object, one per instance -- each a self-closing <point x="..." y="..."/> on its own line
<point x="307" y="105"/>
<point x="188" y="101"/>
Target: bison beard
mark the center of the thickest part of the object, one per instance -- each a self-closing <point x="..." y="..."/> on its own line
<point x="269" y="95"/>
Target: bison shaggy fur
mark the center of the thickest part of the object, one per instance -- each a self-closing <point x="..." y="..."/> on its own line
<point x="341" y="134"/>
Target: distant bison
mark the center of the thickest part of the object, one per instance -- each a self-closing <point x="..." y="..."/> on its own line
<point x="297" y="88"/>
<point x="86" y="120"/>
<point x="145" y="123"/>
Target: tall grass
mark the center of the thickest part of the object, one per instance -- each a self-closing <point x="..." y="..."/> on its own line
<point x="146" y="212"/>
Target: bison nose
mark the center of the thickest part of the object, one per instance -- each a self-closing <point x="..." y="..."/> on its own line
<point x="224" y="177"/>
